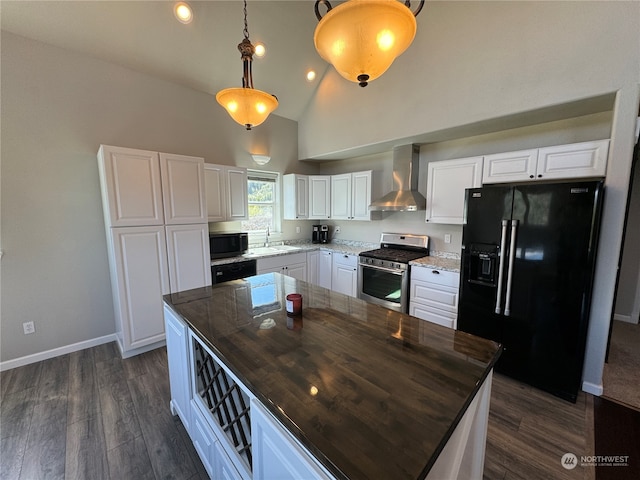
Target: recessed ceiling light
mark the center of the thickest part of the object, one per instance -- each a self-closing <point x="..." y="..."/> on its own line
<point x="260" y="50"/>
<point x="311" y="75"/>
<point x="183" y="12"/>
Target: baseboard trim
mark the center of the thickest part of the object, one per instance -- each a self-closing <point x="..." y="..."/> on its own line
<point x="56" y="352"/>
<point x="623" y="318"/>
<point x="592" y="388"/>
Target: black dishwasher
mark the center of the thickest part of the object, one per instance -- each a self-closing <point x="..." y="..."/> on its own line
<point x="232" y="271"/>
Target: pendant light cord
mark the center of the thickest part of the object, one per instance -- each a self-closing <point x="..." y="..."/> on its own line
<point x="246" y="25"/>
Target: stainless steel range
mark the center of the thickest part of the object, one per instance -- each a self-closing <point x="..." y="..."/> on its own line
<point x="383" y="274"/>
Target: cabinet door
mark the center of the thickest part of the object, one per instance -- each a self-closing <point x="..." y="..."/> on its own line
<point x="344" y="274"/>
<point x="325" y="266"/>
<point x="446" y="183"/>
<point x="203" y="440"/>
<point x="237" y="200"/>
<point x="297" y="271"/>
<point x="276" y="453"/>
<point x="183" y="190"/>
<point x="319" y="196"/>
<point x="361" y="195"/>
<point x="296" y="196"/>
<point x="141" y="279"/>
<point x="215" y="188"/>
<point x="177" y="360"/>
<point x="223" y="468"/>
<point x="510" y="166"/>
<point x="586" y="159"/>
<point x="131" y="187"/>
<point x="313" y="259"/>
<point x="341" y="196"/>
<point x="188" y="256"/>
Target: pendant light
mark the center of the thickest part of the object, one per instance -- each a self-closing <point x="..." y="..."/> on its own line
<point x="246" y="105"/>
<point x="362" y="38"/>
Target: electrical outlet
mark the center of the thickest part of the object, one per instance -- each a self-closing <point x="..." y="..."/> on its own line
<point x="297" y="229"/>
<point x="28" y="328"/>
<point x="337" y="229"/>
<point x="447" y="238"/>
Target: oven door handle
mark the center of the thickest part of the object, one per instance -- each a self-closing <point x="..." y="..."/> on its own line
<point x="395" y="271"/>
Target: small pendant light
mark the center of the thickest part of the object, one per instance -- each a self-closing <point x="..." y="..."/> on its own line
<point x="246" y="105"/>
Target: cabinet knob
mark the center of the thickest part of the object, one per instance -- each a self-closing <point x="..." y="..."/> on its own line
<point x="539" y="176"/>
<point x="435" y="272"/>
<point x="530" y="176"/>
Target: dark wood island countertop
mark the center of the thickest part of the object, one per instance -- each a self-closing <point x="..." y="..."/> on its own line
<point x="371" y="393"/>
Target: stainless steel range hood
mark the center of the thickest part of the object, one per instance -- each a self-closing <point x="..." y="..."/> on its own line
<point x="405" y="196"/>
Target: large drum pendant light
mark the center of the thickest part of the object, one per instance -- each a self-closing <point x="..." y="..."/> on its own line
<point x="246" y="105"/>
<point x="362" y="38"/>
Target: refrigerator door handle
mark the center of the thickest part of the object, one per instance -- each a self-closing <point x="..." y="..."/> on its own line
<point x="512" y="254"/>
<point x="503" y="246"/>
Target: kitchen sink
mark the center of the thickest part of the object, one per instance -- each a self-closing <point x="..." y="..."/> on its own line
<point x="270" y="250"/>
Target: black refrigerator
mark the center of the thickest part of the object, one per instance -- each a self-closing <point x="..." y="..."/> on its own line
<point x="528" y="261"/>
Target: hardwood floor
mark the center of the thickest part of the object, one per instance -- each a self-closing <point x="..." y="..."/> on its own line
<point x="92" y="415"/>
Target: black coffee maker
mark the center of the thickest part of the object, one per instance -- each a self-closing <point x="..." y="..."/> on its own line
<point x="320" y="234"/>
<point x="315" y="236"/>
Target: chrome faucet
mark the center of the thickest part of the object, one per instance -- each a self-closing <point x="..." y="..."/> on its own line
<point x="266" y="238"/>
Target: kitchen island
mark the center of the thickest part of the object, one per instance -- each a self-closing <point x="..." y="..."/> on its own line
<point x="347" y="390"/>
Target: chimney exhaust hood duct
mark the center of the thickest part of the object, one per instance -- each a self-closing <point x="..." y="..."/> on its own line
<point x="405" y="196"/>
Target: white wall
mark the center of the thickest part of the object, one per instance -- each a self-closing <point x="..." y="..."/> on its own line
<point x="474" y="63"/>
<point x="57" y="108"/>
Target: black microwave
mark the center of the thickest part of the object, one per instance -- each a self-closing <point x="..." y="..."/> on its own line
<point x="226" y="244"/>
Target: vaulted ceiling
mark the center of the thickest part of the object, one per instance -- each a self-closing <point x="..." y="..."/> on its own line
<point x="145" y="36"/>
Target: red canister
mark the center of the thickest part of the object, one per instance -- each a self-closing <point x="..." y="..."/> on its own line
<point x="294" y="304"/>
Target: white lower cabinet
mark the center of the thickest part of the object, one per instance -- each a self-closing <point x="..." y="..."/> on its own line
<point x="178" y="361"/>
<point x="312" y="266"/>
<point x="203" y="439"/>
<point x="189" y="258"/>
<point x="139" y="279"/>
<point x="293" y="265"/>
<point x="434" y="295"/>
<point x="344" y="274"/>
<point x="325" y="265"/>
<point x="277" y="455"/>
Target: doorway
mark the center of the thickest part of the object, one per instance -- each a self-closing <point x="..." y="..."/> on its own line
<point x="621" y="376"/>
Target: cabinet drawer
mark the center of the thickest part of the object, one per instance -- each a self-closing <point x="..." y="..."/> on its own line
<point x="433" y="275"/>
<point x="433" y="315"/>
<point x="203" y="438"/>
<point x="438" y="296"/>
<point x="345" y="259"/>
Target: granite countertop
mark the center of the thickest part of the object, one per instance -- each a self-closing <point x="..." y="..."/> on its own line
<point x="372" y="393"/>
<point x="349" y="248"/>
<point x="447" y="263"/>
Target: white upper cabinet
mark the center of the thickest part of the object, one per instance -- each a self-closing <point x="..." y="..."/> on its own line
<point x="131" y="187"/>
<point x="576" y="160"/>
<point x="351" y="196"/>
<point x="341" y="200"/>
<point x="586" y="159"/>
<point x="237" y="200"/>
<point x="216" y="196"/>
<point x="226" y="193"/>
<point x="296" y="196"/>
<point x="510" y="166"/>
<point x="320" y="196"/>
<point x="446" y="183"/>
<point x="183" y="189"/>
<point x="360" y="195"/>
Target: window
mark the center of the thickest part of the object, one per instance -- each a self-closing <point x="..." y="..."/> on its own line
<point x="263" y="193"/>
